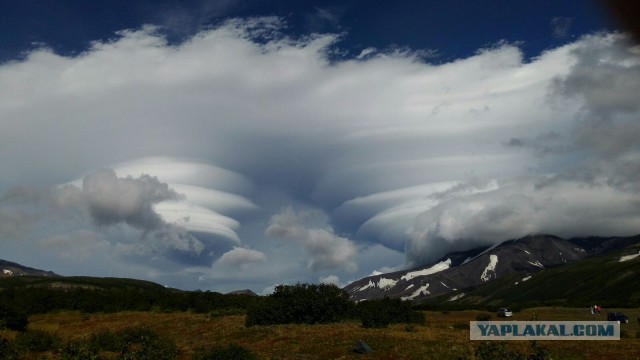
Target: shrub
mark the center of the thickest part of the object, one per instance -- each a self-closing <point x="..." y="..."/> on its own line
<point x="37" y="341"/>
<point x="483" y="317"/>
<point x="107" y="340"/>
<point x="12" y="319"/>
<point x="490" y="350"/>
<point x="231" y="352"/>
<point x="142" y="343"/>
<point x="382" y="312"/>
<point x="300" y="304"/>
<point x="8" y="350"/>
<point x="77" y="350"/>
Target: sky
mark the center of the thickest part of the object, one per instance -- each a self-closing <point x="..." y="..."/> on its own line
<point x="234" y="144"/>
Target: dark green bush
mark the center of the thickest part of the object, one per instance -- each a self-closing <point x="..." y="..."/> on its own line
<point x="493" y="350"/>
<point x="300" y="304"/>
<point x="78" y="350"/>
<point x="12" y="318"/>
<point x="37" y="341"/>
<point x="231" y="352"/>
<point x="143" y="343"/>
<point x="483" y="317"/>
<point x="8" y="350"/>
<point x="382" y="312"/>
<point x="107" y="340"/>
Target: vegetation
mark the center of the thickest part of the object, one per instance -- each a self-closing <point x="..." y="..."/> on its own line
<point x="39" y="295"/>
<point x="11" y="318"/>
<point x="99" y="336"/>
<point x="380" y="313"/>
<point x="491" y="350"/>
<point x="300" y="304"/>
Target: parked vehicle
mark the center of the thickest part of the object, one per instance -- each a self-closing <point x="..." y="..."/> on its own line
<point x="504" y="312"/>
<point x="618" y="317"/>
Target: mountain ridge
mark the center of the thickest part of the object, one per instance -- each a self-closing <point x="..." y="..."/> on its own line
<point x="526" y="255"/>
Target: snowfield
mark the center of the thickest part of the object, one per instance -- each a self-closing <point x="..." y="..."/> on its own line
<point x="629" y="257"/>
<point x="441" y="266"/>
<point x="491" y="268"/>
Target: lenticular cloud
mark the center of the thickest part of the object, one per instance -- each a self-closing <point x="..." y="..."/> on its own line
<point x="243" y="121"/>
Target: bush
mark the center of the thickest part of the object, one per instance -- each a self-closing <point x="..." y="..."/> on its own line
<point x="300" y="304"/>
<point x="8" y="350"/>
<point x="37" y="341"/>
<point x="107" y="340"/>
<point x="12" y="319"/>
<point x="483" y="317"/>
<point x="491" y="350"/>
<point x="231" y="352"/>
<point x="142" y="343"/>
<point x="78" y="350"/>
<point x="382" y="312"/>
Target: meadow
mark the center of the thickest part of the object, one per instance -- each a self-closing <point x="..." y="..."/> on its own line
<point x="444" y="336"/>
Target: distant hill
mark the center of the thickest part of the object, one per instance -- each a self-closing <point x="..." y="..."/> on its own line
<point x="242" y="292"/>
<point x="9" y="269"/>
<point x="475" y="268"/>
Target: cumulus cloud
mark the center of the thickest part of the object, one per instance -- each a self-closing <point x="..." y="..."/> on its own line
<point x="111" y="200"/>
<point x="402" y="155"/>
<point x="325" y="249"/>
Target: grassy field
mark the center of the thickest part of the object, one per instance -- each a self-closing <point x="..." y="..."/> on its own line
<point x="445" y="336"/>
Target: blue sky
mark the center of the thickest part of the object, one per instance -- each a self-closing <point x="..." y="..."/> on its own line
<point x="454" y="29"/>
<point x="229" y="144"/>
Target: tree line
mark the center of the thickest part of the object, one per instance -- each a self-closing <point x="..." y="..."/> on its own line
<point x="300" y="303"/>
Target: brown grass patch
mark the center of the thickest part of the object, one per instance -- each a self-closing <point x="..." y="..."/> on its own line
<point x="440" y="338"/>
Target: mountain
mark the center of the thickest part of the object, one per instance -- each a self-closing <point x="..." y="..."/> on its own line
<point x="8" y="269"/>
<point x="476" y="267"/>
<point x="242" y="292"/>
<point x="610" y="279"/>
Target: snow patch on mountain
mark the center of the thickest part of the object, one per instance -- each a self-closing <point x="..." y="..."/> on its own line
<point x="7" y="272"/>
<point x="536" y="263"/>
<point x="385" y="283"/>
<point x="493" y="261"/>
<point x="441" y="266"/>
<point x="369" y="285"/>
<point x="526" y="278"/>
<point x="456" y="297"/>
<point x="422" y="290"/>
<point x="629" y="257"/>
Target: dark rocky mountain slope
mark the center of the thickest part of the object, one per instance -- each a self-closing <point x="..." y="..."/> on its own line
<point x="461" y="270"/>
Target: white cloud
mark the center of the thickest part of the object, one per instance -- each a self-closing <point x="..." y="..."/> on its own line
<point x="325" y="249"/>
<point x="330" y="279"/>
<point x="381" y="144"/>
